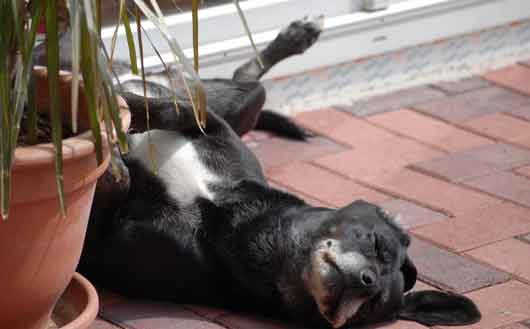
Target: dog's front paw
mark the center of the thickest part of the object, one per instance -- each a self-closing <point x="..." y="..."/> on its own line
<point x="301" y="34"/>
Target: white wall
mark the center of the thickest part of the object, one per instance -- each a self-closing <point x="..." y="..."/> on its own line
<point x="348" y="34"/>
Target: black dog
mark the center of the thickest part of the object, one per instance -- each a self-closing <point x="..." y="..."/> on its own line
<point x="208" y="228"/>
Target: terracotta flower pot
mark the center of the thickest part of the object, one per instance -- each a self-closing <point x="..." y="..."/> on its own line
<point x="39" y="249"/>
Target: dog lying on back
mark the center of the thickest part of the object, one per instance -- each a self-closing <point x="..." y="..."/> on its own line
<point x="208" y="229"/>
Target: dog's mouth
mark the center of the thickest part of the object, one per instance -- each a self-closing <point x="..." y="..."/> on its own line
<point x="338" y="300"/>
<point x="345" y="309"/>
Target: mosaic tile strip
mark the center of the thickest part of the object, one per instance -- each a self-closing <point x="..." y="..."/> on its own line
<point x="447" y="60"/>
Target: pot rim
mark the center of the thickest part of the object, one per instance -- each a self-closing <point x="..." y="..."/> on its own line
<point x="89" y="313"/>
<point x="74" y="147"/>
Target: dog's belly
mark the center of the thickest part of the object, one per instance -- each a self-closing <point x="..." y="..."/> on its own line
<point x="177" y="164"/>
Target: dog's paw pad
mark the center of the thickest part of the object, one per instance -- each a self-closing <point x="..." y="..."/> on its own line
<point x="302" y="34"/>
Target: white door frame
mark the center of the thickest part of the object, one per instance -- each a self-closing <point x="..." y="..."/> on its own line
<point x="348" y="33"/>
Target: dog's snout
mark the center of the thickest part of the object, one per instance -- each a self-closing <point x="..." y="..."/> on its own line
<point x="354" y="267"/>
<point x="368" y="278"/>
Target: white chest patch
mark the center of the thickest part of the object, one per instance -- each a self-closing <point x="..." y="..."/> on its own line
<point x="177" y="164"/>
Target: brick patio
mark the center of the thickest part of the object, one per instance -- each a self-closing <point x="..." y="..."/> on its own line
<point x="452" y="158"/>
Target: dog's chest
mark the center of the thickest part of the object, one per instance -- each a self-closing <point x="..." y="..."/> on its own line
<point x="177" y="164"/>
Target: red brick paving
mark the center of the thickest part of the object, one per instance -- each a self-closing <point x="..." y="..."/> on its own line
<point x="244" y="321"/>
<point x="476" y="162"/>
<point x="461" y="86"/>
<point x="434" y="193"/>
<point x="427" y="130"/>
<point x="107" y="298"/>
<point x="464" y="107"/>
<point x="451" y="271"/>
<point x="516" y="77"/>
<point x="394" y="101"/>
<point x="410" y="215"/>
<point x="208" y="312"/>
<point x="525" y="238"/>
<point x="102" y="324"/>
<point x="370" y="164"/>
<point x="501" y="305"/>
<point x="344" y="128"/>
<point x="509" y="255"/>
<point x="420" y="285"/>
<point x="524" y="171"/>
<point x="514" y="326"/>
<point x="465" y="199"/>
<point x="521" y="113"/>
<point x="400" y="324"/>
<point x="502" y="127"/>
<point x="303" y="196"/>
<point x="505" y="185"/>
<point x="276" y="152"/>
<point x="455" y="167"/>
<point x="151" y="315"/>
<point x="496" y="222"/>
<point x="502" y="156"/>
<point x="323" y="185"/>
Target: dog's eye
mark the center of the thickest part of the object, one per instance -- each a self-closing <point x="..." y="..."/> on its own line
<point x="381" y="249"/>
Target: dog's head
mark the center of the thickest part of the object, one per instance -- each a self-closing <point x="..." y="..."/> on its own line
<point x="359" y="272"/>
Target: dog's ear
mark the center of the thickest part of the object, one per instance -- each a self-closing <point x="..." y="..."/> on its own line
<point x="409" y="274"/>
<point x="432" y="308"/>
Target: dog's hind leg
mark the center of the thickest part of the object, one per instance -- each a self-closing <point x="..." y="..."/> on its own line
<point x="295" y="39"/>
<point x="236" y="103"/>
<point x="164" y="114"/>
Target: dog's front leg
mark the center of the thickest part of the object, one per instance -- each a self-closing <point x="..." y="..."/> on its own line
<point x="292" y="40"/>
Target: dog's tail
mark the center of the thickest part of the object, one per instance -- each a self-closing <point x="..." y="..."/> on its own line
<point x="281" y="126"/>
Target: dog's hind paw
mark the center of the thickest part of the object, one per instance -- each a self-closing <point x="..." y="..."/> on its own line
<point x="301" y="34"/>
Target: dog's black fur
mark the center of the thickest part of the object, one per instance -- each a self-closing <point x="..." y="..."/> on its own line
<point x="236" y="242"/>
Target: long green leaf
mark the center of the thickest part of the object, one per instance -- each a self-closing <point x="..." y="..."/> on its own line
<point x="156" y="7"/>
<point x="6" y="43"/>
<point x="36" y="15"/>
<point x="170" y="78"/>
<point x="195" y="23"/>
<point x="18" y="98"/>
<point x="247" y="30"/>
<point x="130" y="42"/>
<point x="112" y="108"/>
<point x="98" y="17"/>
<point x="17" y="37"/>
<point x="146" y="103"/>
<point x="108" y="127"/>
<point x="198" y="93"/>
<point x="75" y="26"/>
<point x="52" y="42"/>
<point x="89" y="78"/>
<point x="31" y="122"/>
<point x="115" y="34"/>
<point x="18" y="23"/>
<point x="25" y="63"/>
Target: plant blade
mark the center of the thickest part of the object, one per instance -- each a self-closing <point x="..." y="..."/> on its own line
<point x="195" y="22"/>
<point x="6" y="44"/>
<point x="130" y="42"/>
<point x="36" y="15"/>
<point x="115" y="34"/>
<point x="89" y="78"/>
<point x="249" y="34"/>
<point x="196" y="94"/>
<point x="112" y="108"/>
<point x="52" y="42"/>
<point x="75" y="25"/>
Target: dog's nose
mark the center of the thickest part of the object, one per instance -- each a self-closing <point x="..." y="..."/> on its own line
<point x="368" y="278"/>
